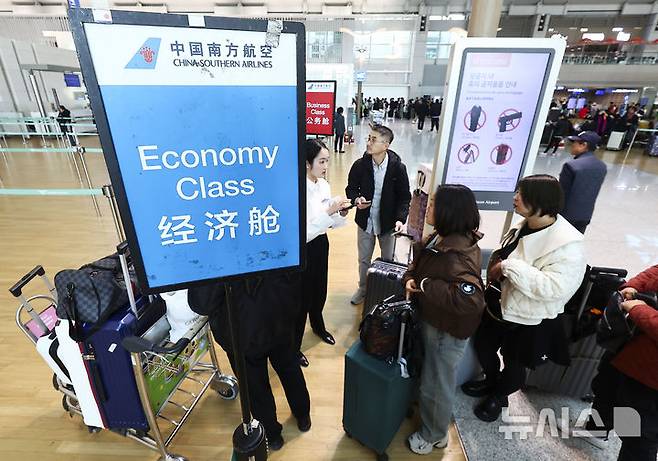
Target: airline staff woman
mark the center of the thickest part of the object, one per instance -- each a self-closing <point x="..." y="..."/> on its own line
<point x="322" y="212"/>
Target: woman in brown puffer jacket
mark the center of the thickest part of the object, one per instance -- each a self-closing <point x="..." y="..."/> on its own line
<point x="444" y="279"/>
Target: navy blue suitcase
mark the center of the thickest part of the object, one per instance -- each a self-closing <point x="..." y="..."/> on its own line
<point x="110" y="366"/>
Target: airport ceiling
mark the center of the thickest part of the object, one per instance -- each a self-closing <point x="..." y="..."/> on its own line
<point x="335" y="8"/>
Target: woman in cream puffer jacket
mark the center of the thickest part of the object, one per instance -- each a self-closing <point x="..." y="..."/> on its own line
<point x="538" y="268"/>
<point x="542" y="273"/>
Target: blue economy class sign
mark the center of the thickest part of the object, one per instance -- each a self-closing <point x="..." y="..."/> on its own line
<point x="204" y="126"/>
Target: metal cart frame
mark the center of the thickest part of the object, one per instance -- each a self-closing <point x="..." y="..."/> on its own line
<point x="142" y="351"/>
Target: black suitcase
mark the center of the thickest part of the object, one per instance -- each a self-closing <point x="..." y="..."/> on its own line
<point x="385" y="278"/>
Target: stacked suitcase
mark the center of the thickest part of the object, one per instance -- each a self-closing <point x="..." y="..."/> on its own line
<point x="377" y="397"/>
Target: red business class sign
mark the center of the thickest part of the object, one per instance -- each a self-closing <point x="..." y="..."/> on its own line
<point x="320" y="107"/>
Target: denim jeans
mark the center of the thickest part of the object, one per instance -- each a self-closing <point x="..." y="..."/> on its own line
<point x="438" y="381"/>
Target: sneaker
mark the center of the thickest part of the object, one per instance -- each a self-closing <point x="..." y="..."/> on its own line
<point x="358" y="297"/>
<point x="594" y="438"/>
<point x="420" y="446"/>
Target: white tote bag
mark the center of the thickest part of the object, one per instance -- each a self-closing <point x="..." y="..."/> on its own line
<point x="179" y="314"/>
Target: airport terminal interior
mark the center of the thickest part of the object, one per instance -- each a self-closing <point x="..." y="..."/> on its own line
<point x="385" y="60"/>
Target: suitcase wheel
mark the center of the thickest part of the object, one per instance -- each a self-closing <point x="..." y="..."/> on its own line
<point x="94" y="429"/>
<point x="382" y="457"/>
<point x="226" y="386"/>
<point x="55" y="384"/>
<point x="65" y="404"/>
<point x="349" y="436"/>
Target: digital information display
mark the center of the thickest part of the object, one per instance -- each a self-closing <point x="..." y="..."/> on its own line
<point x="497" y="103"/>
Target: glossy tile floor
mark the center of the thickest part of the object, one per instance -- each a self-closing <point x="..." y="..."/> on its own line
<point x="64" y="232"/>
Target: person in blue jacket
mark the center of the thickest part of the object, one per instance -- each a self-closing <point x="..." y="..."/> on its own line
<point x="581" y="180"/>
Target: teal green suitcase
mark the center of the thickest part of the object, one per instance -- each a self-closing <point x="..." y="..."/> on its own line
<point x="376" y="399"/>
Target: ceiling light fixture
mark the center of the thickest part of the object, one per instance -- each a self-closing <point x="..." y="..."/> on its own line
<point x="623" y="36"/>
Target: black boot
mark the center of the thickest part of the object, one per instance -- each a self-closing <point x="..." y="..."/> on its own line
<point x="490" y="408"/>
<point x="478" y="388"/>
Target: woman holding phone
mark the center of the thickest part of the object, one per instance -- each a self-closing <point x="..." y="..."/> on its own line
<point x="322" y="213"/>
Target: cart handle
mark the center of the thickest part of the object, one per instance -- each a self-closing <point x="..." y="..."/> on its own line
<point x="138" y="344"/>
<point x="17" y="289"/>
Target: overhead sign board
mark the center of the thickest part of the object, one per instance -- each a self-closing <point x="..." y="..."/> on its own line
<point x="201" y="129"/>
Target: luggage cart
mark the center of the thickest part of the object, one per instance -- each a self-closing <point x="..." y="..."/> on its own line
<point x="171" y="378"/>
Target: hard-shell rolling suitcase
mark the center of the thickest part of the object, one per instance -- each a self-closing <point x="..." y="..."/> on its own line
<point x="575" y="380"/>
<point x="385" y="279"/>
<point x="110" y="366"/>
<point x="108" y="363"/>
<point x="377" y="398"/>
<point x="616" y="140"/>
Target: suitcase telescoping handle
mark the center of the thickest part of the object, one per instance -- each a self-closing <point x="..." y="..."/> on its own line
<point x="595" y="272"/>
<point x="598" y="273"/>
<point x="124" y="252"/>
<point x="17" y="291"/>
<point x="404" y="319"/>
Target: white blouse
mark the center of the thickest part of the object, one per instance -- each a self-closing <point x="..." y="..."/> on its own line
<point x="318" y="200"/>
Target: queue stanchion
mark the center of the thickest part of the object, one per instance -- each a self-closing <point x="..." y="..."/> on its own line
<point x="108" y="191"/>
<point x="81" y="152"/>
<point x="249" y="442"/>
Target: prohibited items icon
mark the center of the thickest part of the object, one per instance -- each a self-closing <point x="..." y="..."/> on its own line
<point x="475" y="118"/>
<point x="508" y="120"/>
<point x="501" y="154"/>
<point x="468" y="153"/>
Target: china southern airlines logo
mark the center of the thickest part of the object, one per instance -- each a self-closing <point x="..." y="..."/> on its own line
<point x="146" y="56"/>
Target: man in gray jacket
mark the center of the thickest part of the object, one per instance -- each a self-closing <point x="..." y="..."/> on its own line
<point x="581" y="179"/>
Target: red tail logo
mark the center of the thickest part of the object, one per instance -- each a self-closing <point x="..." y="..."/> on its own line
<point x="147" y="53"/>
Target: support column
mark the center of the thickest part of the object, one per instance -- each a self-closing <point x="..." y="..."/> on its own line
<point x="485" y="17"/>
<point x="650" y="32"/>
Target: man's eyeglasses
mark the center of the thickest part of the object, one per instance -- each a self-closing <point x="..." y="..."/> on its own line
<point x="373" y="139"/>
